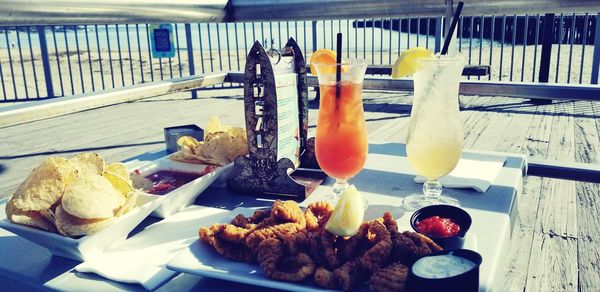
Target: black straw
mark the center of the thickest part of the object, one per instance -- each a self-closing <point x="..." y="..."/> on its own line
<point x="452" y="27"/>
<point x="338" y="67"/>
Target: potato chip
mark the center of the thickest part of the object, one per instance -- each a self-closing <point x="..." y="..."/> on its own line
<point x="88" y="162"/>
<point x="72" y="226"/>
<point x="41" y="189"/>
<point x="119" y="169"/>
<point x="29" y="218"/>
<point x="92" y="197"/>
<point x="119" y="183"/>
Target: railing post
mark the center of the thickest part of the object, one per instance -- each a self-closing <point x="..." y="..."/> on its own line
<point x="41" y="30"/>
<point x="596" y="59"/>
<point x="547" y="40"/>
<point x="190" y="53"/>
<point x="314" y="35"/>
<point x="438" y="34"/>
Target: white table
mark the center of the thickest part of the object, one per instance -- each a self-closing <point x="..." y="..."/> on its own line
<point x="385" y="179"/>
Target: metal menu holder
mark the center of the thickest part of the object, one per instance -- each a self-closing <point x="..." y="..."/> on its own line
<point x="276" y="108"/>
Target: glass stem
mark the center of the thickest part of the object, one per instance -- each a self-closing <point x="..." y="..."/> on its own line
<point x="340" y="187"/>
<point x="432" y="189"/>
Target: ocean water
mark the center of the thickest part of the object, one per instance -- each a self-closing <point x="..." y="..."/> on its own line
<point x="359" y="42"/>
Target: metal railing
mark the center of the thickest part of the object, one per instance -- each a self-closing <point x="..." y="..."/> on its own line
<point x="38" y="62"/>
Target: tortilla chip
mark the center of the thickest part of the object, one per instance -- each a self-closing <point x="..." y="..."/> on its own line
<point x="29" y="218"/>
<point x="92" y="197"/>
<point x="119" y="169"/>
<point x="88" y="162"/>
<point x="130" y="204"/>
<point x="67" y="171"/>
<point x="119" y="183"/>
<point x="41" y="189"/>
<point x="72" y="226"/>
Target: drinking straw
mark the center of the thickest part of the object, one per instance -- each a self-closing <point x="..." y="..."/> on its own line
<point x="452" y="27"/>
<point x="338" y="66"/>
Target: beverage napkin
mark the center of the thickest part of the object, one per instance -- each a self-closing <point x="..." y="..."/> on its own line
<point x="141" y="259"/>
<point x="474" y="170"/>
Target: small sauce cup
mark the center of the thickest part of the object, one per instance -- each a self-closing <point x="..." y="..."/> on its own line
<point x="456" y="214"/>
<point x="446" y="270"/>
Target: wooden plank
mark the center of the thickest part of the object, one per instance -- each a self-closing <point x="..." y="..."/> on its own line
<point x="519" y="254"/>
<point x="588" y="244"/>
<point x="553" y="262"/>
<point x="553" y="265"/>
<point x="481" y="123"/>
<point x="588" y="198"/>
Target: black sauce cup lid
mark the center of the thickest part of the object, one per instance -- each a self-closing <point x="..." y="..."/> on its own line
<point x="458" y="215"/>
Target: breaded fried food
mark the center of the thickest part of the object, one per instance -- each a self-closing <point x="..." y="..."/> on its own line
<point x="317" y="214"/>
<point x="376" y="256"/>
<point x="287" y="211"/>
<point x="349" y="275"/>
<point x="232" y="250"/>
<point x="391" y="278"/>
<point x="323" y="248"/>
<point x="324" y="278"/>
<point x="410" y="246"/>
<point x="279" y="231"/>
<point x="276" y="265"/>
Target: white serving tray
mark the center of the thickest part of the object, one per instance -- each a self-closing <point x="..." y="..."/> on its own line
<point x="200" y="259"/>
<point x="86" y="246"/>
<point x="187" y="193"/>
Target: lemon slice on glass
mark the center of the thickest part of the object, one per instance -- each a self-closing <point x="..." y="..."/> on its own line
<point x="406" y="64"/>
<point x="348" y="214"/>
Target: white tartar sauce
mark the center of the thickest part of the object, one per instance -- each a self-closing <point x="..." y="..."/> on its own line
<point x="441" y="266"/>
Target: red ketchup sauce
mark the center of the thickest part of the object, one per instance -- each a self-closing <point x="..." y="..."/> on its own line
<point x="438" y="227"/>
<point x="165" y="181"/>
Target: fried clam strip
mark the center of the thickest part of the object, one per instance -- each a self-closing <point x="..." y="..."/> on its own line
<point x="286" y="219"/>
<point x="390" y="278"/>
<point x="317" y="214"/>
<point x="409" y="246"/>
<point x="376" y="256"/>
<point x="276" y="265"/>
<point x="251" y="222"/>
<point x="323" y="248"/>
<point x="228" y="241"/>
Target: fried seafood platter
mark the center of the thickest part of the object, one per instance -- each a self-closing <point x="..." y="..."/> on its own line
<point x="291" y="244"/>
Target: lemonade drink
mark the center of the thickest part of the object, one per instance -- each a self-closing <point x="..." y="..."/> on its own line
<point x="435" y="136"/>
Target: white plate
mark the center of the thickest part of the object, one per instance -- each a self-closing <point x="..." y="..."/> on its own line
<point x="200" y="259"/>
<point x="86" y="246"/>
<point x="186" y="194"/>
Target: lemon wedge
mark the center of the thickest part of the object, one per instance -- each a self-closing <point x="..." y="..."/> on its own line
<point x="348" y="214"/>
<point x="406" y="64"/>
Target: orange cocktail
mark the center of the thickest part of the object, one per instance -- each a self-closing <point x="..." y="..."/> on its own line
<point x="341" y="142"/>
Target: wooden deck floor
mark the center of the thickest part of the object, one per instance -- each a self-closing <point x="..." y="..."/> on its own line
<point x="555" y="244"/>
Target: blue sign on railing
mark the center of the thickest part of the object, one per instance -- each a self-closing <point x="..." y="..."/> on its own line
<point x="162" y="40"/>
